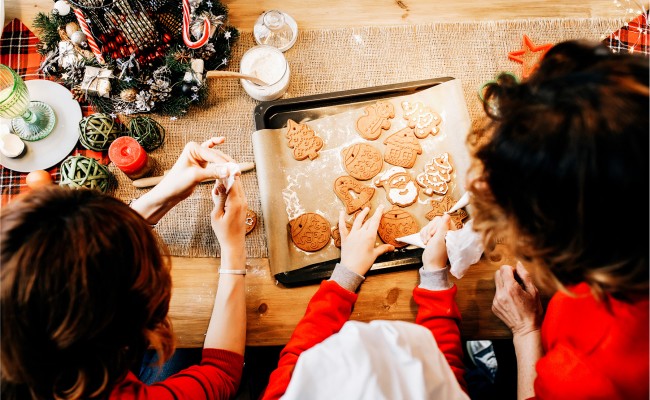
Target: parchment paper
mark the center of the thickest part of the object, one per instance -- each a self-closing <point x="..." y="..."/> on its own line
<point x="289" y="188"/>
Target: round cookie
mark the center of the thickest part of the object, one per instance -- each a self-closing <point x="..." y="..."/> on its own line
<point x="362" y="161"/>
<point x="310" y="232"/>
<point x="397" y="223"/>
<point x="251" y="221"/>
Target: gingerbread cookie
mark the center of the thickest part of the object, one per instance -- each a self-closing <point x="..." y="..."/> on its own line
<point x="251" y="221"/>
<point x="358" y="199"/>
<point x="303" y="141"/>
<point x="376" y="118"/>
<point x="336" y="234"/>
<point x="362" y="161"/>
<point x="402" y="148"/>
<point x="310" y="232"/>
<point x="400" y="188"/>
<point x="397" y="223"/>
<point x="436" y="176"/>
<point x="421" y="118"/>
<point x="439" y="207"/>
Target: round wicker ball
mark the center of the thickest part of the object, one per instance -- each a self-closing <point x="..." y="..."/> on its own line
<point x="147" y="131"/>
<point x="79" y="172"/>
<point x="98" y="131"/>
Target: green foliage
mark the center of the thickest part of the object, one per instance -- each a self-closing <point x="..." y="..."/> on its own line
<point x="217" y="50"/>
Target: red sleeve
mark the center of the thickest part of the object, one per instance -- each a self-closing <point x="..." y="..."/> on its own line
<point x="438" y="312"/>
<point x="216" y="377"/>
<point x="326" y="313"/>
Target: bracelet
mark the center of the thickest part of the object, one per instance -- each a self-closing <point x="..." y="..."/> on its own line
<point x="232" y="271"/>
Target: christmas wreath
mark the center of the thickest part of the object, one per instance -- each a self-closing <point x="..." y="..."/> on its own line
<point x="135" y="56"/>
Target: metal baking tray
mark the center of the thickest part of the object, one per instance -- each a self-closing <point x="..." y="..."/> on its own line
<point x="274" y="115"/>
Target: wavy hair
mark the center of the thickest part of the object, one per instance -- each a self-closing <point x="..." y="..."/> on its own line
<point x="85" y="290"/>
<point x="561" y="169"/>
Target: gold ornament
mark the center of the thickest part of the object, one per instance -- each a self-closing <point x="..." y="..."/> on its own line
<point x="128" y="95"/>
<point x="71" y="27"/>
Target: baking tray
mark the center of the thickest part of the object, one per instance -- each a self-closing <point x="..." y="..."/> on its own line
<point x="274" y="115"/>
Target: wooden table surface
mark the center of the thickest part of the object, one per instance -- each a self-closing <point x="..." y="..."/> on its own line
<point x="273" y="310"/>
<point x="313" y="14"/>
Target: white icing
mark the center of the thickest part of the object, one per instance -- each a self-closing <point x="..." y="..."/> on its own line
<point x="405" y="196"/>
<point x="268" y="64"/>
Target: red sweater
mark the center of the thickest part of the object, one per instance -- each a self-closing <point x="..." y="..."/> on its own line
<point x="217" y="377"/>
<point x="331" y="307"/>
<point x="591" y="352"/>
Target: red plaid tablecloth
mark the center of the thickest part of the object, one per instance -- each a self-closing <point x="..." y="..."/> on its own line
<point x="18" y="51"/>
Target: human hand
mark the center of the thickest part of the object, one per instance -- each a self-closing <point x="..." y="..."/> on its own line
<point x="433" y="236"/>
<point x="195" y="164"/>
<point x="228" y="221"/>
<point x="517" y="305"/>
<point x="358" y="251"/>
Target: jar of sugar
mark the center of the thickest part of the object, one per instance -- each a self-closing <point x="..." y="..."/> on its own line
<point x="268" y="64"/>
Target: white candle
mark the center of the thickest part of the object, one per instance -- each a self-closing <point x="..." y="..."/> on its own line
<point x="268" y="64"/>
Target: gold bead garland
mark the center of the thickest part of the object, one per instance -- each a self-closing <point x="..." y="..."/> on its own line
<point x="98" y="131"/>
<point x="79" y="172"/>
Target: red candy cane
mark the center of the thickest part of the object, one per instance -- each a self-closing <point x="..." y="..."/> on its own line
<point x="186" y="28"/>
<point x="89" y="36"/>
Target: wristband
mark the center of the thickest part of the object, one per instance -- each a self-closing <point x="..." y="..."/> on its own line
<point x="232" y="271"/>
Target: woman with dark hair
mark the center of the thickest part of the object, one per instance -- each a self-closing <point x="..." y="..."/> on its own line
<point x="86" y="287"/>
<point x="561" y="175"/>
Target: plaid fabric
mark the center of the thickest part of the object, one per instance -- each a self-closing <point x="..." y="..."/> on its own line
<point x="634" y="37"/>
<point x="18" y="51"/>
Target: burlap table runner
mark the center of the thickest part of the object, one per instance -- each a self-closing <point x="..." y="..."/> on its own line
<point x="341" y="59"/>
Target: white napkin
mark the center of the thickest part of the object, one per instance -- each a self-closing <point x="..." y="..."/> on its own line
<point x="464" y="248"/>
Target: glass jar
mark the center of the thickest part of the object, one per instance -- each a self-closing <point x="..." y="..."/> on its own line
<point x="276" y="28"/>
<point x="268" y="64"/>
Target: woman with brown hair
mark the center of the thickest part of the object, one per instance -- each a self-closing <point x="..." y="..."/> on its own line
<point x="86" y="287"/>
<point x="562" y="176"/>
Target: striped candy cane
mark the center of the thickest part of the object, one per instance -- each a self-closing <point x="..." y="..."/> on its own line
<point x="89" y="36"/>
<point x="186" y="28"/>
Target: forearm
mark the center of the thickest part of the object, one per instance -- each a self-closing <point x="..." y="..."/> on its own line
<point x="153" y="205"/>
<point x="528" y="349"/>
<point x="227" y="327"/>
<point x="438" y="312"/>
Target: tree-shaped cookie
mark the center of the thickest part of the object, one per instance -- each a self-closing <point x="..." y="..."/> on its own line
<point x="376" y="118"/>
<point x="439" y="207"/>
<point x="421" y="118"/>
<point x="402" y="148"/>
<point x="436" y="175"/>
<point x="303" y="140"/>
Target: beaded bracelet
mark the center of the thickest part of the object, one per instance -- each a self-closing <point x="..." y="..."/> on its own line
<point x="232" y="271"/>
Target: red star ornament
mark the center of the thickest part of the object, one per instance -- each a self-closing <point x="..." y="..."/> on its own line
<point x="529" y="56"/>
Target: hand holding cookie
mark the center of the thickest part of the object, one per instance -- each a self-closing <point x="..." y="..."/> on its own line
<point x="358" y="251"/>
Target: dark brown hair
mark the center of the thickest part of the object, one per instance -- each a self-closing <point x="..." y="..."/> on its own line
<point x="561" y="172"/>
<point x="85" y="290"/>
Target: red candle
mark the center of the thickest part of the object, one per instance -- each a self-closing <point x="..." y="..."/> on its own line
<point x="127" y="155"/>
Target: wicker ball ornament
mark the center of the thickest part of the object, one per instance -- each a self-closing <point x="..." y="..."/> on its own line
<point x="98" y="131"/>
<point x="79" y="172"/>
<point x="148" y="132"/>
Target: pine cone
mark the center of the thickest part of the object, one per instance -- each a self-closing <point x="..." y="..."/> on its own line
<point x="78" y="94"/>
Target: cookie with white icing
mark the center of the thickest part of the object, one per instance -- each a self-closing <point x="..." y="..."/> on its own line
<point x="400" y="187"/>
<point x="436" y="176"/>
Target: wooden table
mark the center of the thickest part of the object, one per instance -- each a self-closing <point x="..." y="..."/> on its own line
<point x="273" y="311"/>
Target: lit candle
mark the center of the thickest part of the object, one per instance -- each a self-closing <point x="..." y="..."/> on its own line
<point x="127" y="155"/>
